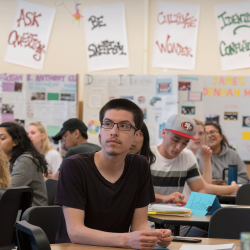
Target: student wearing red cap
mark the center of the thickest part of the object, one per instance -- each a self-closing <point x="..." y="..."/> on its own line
<point x="174" y="166"/>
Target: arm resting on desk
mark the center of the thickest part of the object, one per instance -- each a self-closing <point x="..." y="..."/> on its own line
<point x="79" y="233"/>
<point x="197" y="186"/>
<point x="175" y="197"/>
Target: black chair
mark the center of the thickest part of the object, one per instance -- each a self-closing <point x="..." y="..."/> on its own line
<point x="45" y="217"/>
<point x="30" y="237"/>
<point x="51" y="186"/>
<point x="13" y="202"/>
<point x="228" y="223"/>
<point x="243" y="195"/>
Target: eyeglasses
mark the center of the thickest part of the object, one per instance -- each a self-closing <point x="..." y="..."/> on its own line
<point x="120" y="126"/>
<point x="64" y="137"/>
<point x="212" y="132"/>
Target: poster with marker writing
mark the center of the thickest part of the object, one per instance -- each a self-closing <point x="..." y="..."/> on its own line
<point x="106" y="37"/>
<point x="233" y="28"/>
<point x="176" y="29"/>
<point x="28" y="39"/>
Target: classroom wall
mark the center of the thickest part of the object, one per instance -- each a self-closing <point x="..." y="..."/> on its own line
<point x="66" y="48"/>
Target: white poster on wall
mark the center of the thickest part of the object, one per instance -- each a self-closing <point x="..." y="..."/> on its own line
<point x="156" y="95"/>
<point x="176" y="29"/>
<point x="29" y="36"/>
<point x="233" y="27"/>
<point x="106" y="37"/>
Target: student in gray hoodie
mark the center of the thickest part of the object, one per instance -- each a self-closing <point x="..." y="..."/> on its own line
<point x="222" y="156"/>
<point x="27" y="166"/>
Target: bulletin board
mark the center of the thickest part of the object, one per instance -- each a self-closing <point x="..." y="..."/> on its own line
<point x="222" y="99"/>
<point x="49" y="99"/>
<point x="156" y="95"/>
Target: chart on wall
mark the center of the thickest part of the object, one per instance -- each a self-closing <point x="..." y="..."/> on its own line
<point x="156" y="95"/>
<point x="49" y="99"/>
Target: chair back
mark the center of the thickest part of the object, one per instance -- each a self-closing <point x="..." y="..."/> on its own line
<point x="243" y="195"/>
<point x="51" y="186"/>
<point x="30" y="237"/>
<point x="45" y="217"/>
<point x="13" y="202"/>
<point x="228" y="223"/>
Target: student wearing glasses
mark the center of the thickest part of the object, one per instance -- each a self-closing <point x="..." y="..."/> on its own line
<point x="105" y="195"/>
<point x="222" y="156"/>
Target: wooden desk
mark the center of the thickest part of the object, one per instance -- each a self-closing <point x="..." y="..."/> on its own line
<point x="194" y="220"/>
<point x="173" y="246"/>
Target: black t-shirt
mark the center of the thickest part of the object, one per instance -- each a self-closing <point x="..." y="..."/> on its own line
<point x="108" y="207"/>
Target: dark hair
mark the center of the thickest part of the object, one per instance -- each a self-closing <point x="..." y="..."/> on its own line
<point x="82" y="132"/>
<point x="224" y="141"/>
<point x="24" y="144"/>
<point x="123" y="104"/>
<point x="145" y="150"/>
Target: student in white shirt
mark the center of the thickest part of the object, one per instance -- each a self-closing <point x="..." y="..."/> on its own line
<point x="39" y="137"/>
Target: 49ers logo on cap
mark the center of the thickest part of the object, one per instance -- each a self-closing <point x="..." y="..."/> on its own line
<point x="187" y="126"/>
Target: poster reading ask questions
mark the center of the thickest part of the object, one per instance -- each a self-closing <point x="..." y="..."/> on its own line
<point x="176" y="28"/>
<point x="27" y="41"/>
<point x="106" y="37"/>
<point x="233" y="27"/>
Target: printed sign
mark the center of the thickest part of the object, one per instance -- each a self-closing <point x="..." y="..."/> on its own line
<point x="105" y="37"/>
<point x="231" y="116"/>
<point x="29" y="36"/>
<point x="176" y="28"/>
<point x="233" y="29"/>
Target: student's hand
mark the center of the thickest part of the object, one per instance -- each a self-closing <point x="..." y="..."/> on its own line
<point x="175" y="198"/>
<point x="145" y="240"/>
<point x="219" y="182"/>
<point x="165" y="239"/>
<point x="206" y="153"/>
<point x="235" y="185"/>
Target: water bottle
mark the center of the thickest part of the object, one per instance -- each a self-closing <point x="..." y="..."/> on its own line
<point x="245" y="241"/>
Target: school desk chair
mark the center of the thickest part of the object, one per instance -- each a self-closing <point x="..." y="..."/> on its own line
<point x="31" y="237"/>
<point x="243" y="195"/>
<point x="45" y="217"/>
<point x="51" y="186"/>
<point x="13" y="202"/>
<point x="229" y="222"/>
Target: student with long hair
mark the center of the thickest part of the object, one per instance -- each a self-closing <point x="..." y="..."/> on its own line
<point x="142" y="145"/>
<point x="223" y="155"/>
<point x="5" y="180"/>
<point x="39" y="137"/>
<point x="27" y="166"/>
<point x="206" y="154"/>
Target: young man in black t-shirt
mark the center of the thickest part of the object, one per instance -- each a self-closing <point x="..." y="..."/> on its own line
<point x="104" y="194"/>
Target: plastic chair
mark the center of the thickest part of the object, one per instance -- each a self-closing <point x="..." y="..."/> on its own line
<point x="30" y="237"/>
<point x="243" y="195"/>
<point x="13" y="202"/>
<point x="45" y="217"/>
<point x="228" y="223"/>
<point x="51" y="186"/>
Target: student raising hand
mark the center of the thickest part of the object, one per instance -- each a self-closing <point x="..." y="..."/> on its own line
<point x="206" y="153"/>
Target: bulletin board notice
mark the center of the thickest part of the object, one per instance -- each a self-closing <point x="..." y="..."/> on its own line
<point x="49" y="99"/>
